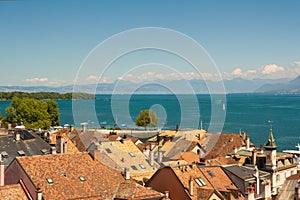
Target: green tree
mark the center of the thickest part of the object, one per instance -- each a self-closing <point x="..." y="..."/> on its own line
<point x="53" y="112"/>
<point x="33" y="113"/>
<point x="147" y="118"/>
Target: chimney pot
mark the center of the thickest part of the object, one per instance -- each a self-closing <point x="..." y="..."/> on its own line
<point x="1" y="173"/>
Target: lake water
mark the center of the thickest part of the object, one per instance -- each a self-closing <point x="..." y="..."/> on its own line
<point x="246" y="112"/>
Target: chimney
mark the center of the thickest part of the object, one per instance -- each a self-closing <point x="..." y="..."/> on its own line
<point x="257" y="180"/>
<point x="1" y="171"/>
<point x="127" y="173"/>
<point x="8" y="126"/>
<point x="71" y="128"/>
<point x="152" y="145"/>
<point x="297" y="192"/>
<point x="160" y="157"/>
<point x="60" y="144"/>
<point x="65" y="150"/>
<point x="250" y="193"/>
<point x="39" y="194"/>
<point x="53" y="150"/>
<point x="234" y="149"/>
<point x="151" y="158"/>
<point x="254" y="154"/>
<point x="84" y="126"/>
<point x="247" y="142"/>
<point x="18" y="136"/>
<point x="191" y="186"/>
<point x="167" y="194"/>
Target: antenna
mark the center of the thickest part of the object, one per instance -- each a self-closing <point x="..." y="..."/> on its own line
<point x="270" y="122"/>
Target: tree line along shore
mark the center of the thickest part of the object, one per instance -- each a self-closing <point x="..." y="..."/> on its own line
<point x="45" y="95"/>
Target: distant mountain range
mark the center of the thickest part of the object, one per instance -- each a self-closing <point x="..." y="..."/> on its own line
<point x="237" y="85"/>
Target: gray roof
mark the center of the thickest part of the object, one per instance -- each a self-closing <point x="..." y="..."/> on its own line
<point x="29" y="144"/>
<point x="244" y="172"/>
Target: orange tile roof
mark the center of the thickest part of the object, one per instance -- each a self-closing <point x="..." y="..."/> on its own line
<point x="12" y="192"/>
<point x="133" y="191"/>
<point x="219" y="180"/>
<point x="185" y="173"/>
<point x="190" y="157"/>
<point x="65" y="169"/>
<point x="224" y="145"/>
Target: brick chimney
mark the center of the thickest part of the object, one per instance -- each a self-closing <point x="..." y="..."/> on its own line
<point x="1" y="171"/>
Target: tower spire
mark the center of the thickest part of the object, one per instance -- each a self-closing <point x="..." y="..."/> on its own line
<point x="271" y="141"/>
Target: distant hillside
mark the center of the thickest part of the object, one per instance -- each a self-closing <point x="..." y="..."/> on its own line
<point x="237" y="85"/>
<point x="288" y="87"/>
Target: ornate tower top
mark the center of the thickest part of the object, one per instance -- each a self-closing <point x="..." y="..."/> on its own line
<point x="271" y="145"/>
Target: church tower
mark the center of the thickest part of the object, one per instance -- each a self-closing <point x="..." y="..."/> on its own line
<point x="270" y="149"/>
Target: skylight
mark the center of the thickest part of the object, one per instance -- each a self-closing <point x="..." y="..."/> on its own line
<point x="211" y="174"/>
<point x="81" y="178"/>
<point x="45" y="151"/>
<point x="108" y="150"/>
<point x="21" y="153"/>
<point x="142" y="166"/>
<point x="49" y="180"/>
<point x="134" y="167"/>
<point x="200" y="182"/>
<point x="4" y="154"/>
<point x="131" y="154"/>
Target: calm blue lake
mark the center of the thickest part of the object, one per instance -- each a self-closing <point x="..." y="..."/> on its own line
<point x="246" y="112"/>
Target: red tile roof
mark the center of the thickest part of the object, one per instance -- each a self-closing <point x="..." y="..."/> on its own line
<point x="12" y="192"/>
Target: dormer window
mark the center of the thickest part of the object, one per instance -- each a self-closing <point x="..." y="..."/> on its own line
<point x="45" y="151"/>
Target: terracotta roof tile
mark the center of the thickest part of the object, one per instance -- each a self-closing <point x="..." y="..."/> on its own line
<point x="65" y="171"/>
<point x="12" y="192"/>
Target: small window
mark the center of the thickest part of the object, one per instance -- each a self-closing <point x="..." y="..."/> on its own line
<point x="21" y="153"/>
<point x="142" y="166"/>
<point x="45" y="151"/>
<point x="81" y="178"/>
<point x="134" y="167"/>
<point x="211" y="174"/>
<point x="108" y="150"/>
<point x="49" y="180"/>
<point x="4" y="154"/>
<point x="200" y="182"/>
<point x="131" y="154"/>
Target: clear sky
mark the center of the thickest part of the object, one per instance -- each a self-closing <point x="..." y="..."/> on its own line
<point x="45" y="42"/>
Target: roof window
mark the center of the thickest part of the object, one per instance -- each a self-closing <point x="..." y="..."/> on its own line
<point x="142" y="166"/>
<point x="81" y="178"/>
<point x="200" y="182"/>
<point x="108" y="150"/>
<point x="131" y="154"/>
<point x="4" y="154"/>
<point x="134" y="167"/>
<point x="49" y="180"/>
<point x="21" y="153"/>
<point x="211" y="174"/>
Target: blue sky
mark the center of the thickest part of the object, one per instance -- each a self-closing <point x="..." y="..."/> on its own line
<point x="45" y="42"/>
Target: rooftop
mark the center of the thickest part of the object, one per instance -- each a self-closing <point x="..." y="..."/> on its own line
<point x="12" y="192"/>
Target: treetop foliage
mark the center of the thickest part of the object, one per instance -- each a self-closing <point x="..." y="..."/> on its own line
<point x="147" y="118"/>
